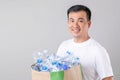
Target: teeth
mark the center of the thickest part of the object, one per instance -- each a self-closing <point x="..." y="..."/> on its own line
<point x="76" y="30"/>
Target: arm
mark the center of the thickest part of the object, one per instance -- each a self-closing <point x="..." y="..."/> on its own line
<point x="108" y="78"/>
<point x="104" y="68"/>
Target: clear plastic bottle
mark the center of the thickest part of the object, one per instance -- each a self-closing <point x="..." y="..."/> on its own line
<point x="51" y="62"/>
<point x="38" y="59"/>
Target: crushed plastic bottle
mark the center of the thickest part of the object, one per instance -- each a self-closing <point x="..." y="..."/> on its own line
<point x="51" y="62"/>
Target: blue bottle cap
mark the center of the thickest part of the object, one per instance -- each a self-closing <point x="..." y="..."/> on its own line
<point x="68" y="52"/>
<point x="65" y="67"/>
<point x="39" y="60"/>
<point x="54" y="62"/>
<point x="44" y="68"/>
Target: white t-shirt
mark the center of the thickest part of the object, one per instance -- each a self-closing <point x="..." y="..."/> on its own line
<point x="94" y="59"/>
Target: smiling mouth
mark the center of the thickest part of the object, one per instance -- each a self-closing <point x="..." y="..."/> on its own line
<point x="76" y="30"/>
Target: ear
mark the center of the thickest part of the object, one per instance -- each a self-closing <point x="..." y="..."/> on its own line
<point x="89" y="24"/>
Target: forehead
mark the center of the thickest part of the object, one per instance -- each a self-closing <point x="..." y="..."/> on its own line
<point x="79" y="14"/>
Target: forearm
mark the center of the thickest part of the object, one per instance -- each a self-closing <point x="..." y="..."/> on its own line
<point x="108" y="78"/>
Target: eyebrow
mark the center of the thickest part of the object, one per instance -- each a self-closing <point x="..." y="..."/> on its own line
<point x="81" y="18"/>
<point x="78" y="18"/>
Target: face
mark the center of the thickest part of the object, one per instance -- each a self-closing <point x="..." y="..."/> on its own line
<point x="78" y="25"/>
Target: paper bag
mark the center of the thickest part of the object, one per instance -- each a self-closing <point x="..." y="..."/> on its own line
<point x="74" y="73"/>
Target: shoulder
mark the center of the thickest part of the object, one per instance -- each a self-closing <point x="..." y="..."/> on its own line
<point x="97" y="48"/>
<point x="96" y="45"/>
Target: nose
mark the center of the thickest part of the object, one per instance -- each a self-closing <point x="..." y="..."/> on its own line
<point x="75" y="24"/>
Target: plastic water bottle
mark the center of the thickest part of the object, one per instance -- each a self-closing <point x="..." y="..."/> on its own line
<point x="76" y="61"/>
<point x="52" y="62"/>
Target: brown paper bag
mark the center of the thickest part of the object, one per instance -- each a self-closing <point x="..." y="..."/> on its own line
<point x="74" y="73"/>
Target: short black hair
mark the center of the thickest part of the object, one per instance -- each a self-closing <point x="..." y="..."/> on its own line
<point x="77" y="8"/>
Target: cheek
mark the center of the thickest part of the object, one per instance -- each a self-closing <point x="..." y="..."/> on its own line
<point x="69" y="29"/>
<point x="69" y="25"/>
<point x="85" y="29"/>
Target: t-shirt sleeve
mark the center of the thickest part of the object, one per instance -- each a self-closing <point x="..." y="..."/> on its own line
<point x="103" y="65"/>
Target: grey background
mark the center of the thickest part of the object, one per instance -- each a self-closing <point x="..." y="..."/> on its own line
<point x="26" y="26"/>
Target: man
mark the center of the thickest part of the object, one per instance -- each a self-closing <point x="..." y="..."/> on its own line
<point x="94" y="59"/>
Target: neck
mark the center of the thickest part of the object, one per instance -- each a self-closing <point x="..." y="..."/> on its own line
<point x="80" y="40"/>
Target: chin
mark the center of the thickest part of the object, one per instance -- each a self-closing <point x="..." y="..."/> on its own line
<point x="76" y="35"/>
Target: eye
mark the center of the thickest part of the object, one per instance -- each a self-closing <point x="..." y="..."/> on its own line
<point x="80" y="20"/>
<point x="71" y="20"/>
